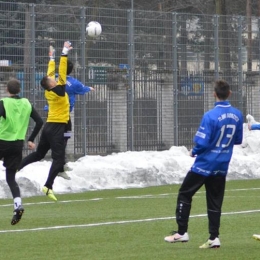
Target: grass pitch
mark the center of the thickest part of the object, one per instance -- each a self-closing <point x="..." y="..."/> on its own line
<point x="129" y="224"/>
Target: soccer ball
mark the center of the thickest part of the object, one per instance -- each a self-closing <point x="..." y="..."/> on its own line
<point x="94" y="29"/>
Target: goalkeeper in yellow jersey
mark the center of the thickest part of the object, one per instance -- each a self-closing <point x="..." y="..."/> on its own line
<point x="52" y="136"/>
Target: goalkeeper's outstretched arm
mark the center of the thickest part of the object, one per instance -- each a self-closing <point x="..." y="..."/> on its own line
<point x="63" y="63"/>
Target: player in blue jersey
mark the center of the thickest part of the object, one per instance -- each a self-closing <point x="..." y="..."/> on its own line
<point x="73" y="88"/>
<point x="221" y="128"/>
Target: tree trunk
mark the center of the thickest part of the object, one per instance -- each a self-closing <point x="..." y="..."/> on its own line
<point x="224" y="52"/>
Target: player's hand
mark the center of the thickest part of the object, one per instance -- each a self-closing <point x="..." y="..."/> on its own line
<point x="51" y="52"/>
<point x="67" y="44"/>
<point x="249" y="127"/>
<point x="31" y="145"/>
<point x="66" y="47"/>
<point x="92" y="89"/>
<point x="191" y="155"/>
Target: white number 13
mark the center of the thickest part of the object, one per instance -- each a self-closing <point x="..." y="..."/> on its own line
<point x="229" y="136"/>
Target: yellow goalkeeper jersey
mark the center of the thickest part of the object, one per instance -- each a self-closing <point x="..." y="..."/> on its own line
<point x="57" y="98"/>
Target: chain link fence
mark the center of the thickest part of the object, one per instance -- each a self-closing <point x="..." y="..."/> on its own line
<point x="153" y="72"/>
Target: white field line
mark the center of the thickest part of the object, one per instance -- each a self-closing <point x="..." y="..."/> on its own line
<point x="52" y="202"/>
<point x="123" y="197"/>
<point x="176" y="193"/>
<point x="119" y="222"/>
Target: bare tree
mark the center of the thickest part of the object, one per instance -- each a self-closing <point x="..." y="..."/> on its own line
<point x="224" y="52"/>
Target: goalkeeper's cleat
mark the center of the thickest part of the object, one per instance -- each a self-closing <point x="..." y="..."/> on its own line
<point x="51" y="52"/>
<point x="256" y="237"/>
<point x="211" y="243"/>
<point x="176" y="237"/>
<point x="64" y="175"/>
<point x="17" y="215"/>
<point x="49" y="193"/>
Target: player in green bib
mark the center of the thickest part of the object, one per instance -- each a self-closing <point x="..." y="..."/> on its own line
<point x="15" y="114"/>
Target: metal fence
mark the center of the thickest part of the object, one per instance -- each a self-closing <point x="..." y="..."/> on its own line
<point x="153" y="72"/>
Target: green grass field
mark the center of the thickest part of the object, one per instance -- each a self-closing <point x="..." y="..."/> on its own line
<point x="129" y="224"/>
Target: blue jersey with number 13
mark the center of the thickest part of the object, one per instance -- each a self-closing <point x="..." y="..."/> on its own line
<point x="220" y="129"/>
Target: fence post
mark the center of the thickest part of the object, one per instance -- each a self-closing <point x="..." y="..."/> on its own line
<point x="216" y="46"/>
<point x="175" y="79"/>
<point x="240" y="69"/>
<point x="258" y="34"/>
<point x="130" y="93"/>
<point x="32" y="46"/>
<point x="252" y="86"/>
<point x="83" y="73"/>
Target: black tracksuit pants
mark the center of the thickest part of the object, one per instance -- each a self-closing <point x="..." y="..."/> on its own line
<point x="52" y="137"/>
<point x="11" y="152"/>
<point x="215" y="189"/>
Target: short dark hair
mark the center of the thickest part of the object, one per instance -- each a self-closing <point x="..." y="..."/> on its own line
<point x="222" y="89"/>
<point x="45" y="82"/>
<point x="14" y="86"/>
<point x="69" y="67"/>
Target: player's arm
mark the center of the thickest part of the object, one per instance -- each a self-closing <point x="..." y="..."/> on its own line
<point x="63" y="64"/>
<point x="51" y="64"/>
<point x="197" y="149"/>
<point x="2" y="109"/>
<point x="255" y="127"/>
<point x="202" y="137"/>
<point x="239" y="132"/>
<point x="38" y="125"/>
<point x="80" y="88"/>
<point x="62" y="71"/>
